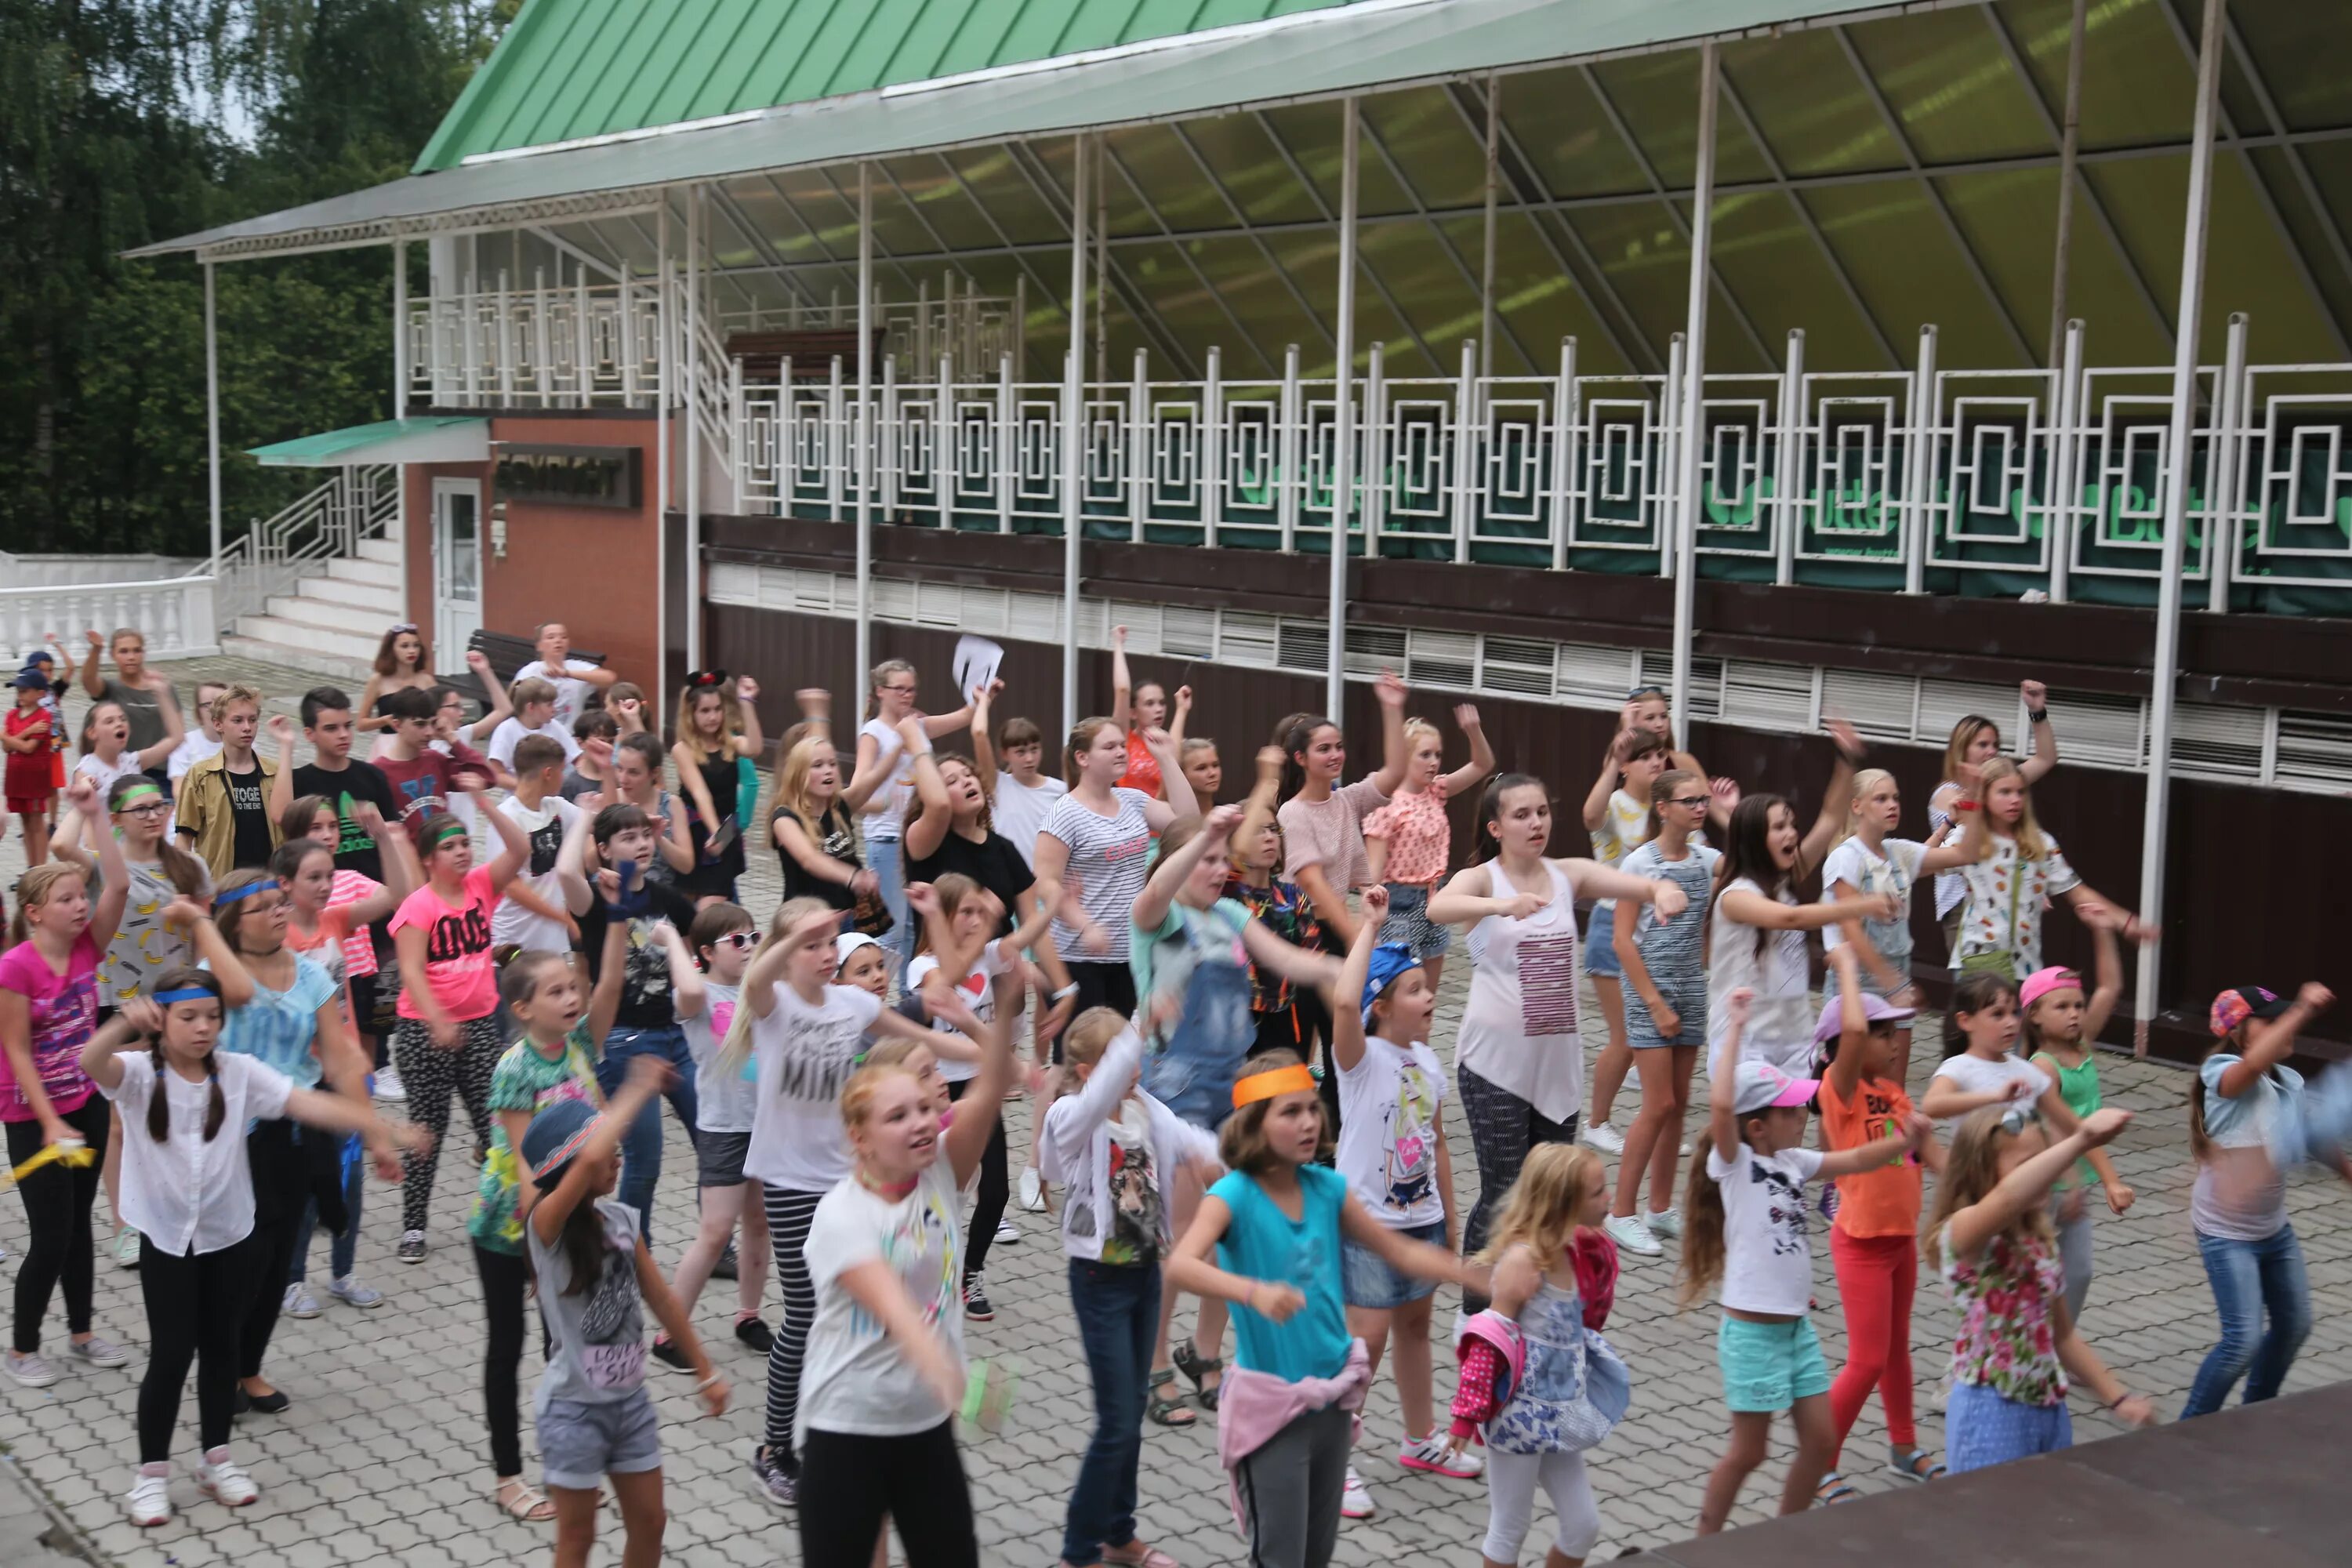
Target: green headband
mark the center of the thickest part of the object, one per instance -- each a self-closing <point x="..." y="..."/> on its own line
<point x="137" y="792"/>
<point x="447" y="830"/>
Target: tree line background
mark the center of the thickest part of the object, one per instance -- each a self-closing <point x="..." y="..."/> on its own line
<point x="125" y="121"/>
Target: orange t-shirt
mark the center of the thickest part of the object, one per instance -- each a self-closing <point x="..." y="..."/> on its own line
<point x="1884" y="1201"/>
<point x="1142" y="767"/>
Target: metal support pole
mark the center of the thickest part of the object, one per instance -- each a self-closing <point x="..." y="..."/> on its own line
<point x="694" y="427"/>
<point x="1486" y="254"/>
<point x="1073" y="409"/>
<point x="2068" y="142"/>
<point x="399" y="328"/>
<point x="860" y="426"/>
<point x="2178" y="464"/>
<point x="2228" y="452"/>
<point x="1343" y="432"/>
<point x="664" y="295"/>
<point x="212" y="410"/>
<point x="1694" y="390"/>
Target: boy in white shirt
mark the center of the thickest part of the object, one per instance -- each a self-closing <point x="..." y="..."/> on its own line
<point x="550" y="891"/>
<point x="571" y="677"/>
<point x="534" y="714"/>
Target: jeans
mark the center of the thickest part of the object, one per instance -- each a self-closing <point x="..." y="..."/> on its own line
<point x="1193" y="1074"/>
<point x="1118" y="1308"/>
<point x="887" y="860"/>
<point x="641" y="1146"/>
<point x="2250" y="1278"/>
<point x="343" y="1250"/>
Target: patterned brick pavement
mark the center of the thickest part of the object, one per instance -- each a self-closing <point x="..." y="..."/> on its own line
<point x="383" y="1460"/>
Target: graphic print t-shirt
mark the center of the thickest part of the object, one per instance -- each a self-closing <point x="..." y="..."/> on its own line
<point x="1388" y="1130"/>
<point x="805" y="1054"/>
<point x="854" y="1379"/>
<point x="354" y="850"/>
<point x="1767" y="1263"/>
<point x="545" y="829"/>
<point x="1135" y="1200"/>
<point x="645" y="1001"/>
<point x="248" y="808"/>
<point x="60" y="1011"/>
<point x="456" y="947"/>
<point x="529" y="1082"/>
<point x="596" y="1338"/>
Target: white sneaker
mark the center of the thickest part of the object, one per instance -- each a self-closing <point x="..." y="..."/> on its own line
<point x="300" y="1302"/>
<point x="388" y="1085"/>
<point x="1436" y="1455"/>
<point x="1033" y="1190"/>
<point x="1632" y="1235"/>
<point x="1005" y="1231"/>
<point x="353" y="1292"/>
<point x="1355" y="1502"/>
<point x="31" y="1371"/>
<point x="1664" y="1222"/>
<point x="150" y="1502"/>
<point x="1605" y="1138"/>
<point x="225" y="1482"/>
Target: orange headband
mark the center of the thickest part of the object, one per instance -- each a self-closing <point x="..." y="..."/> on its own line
<point x="1267" y="1085"/>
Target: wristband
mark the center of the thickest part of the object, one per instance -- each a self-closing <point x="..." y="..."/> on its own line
<point x="1964" y="805"/>
<point x="2116" y="1404"/>
<point x="707" y="1383"/>
<point x="2037" y="716"/>
<point x="1065" y="992"/>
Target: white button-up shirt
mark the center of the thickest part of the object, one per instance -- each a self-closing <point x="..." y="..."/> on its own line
<point x="187" y="1195"/>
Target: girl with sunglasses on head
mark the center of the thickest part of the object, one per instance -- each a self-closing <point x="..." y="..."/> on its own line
<point x="1976" y="741"/>
<point x="718" y="726"/>
<point x="403" y="661"/>
<point x="885" y="780"/>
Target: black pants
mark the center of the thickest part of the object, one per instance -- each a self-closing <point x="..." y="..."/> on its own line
<point x="995" y="1192"/>
<point x="505" y="1277"/>
<point x="281" y="1185"/>
<point x="195" y="1308"/>
<point x="57" y="1201"/>
<point x="1100" y="985"/>
<point x="848" y="1483"/>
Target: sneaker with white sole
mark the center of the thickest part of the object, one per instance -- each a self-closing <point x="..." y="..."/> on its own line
<point x="300" y="1302"/>
<point x="225" y="1481"/>
<point x="412" y="1246"/>
<point x="126" y="1248"/>
<point x="777" y="1484"/>
<point x="1355" y="1501"/>
<point x="1605" y="1138"/>
<point x="388" y="1086"/>
<point x="100" y="1352"/>
<point x="1033" y="1190"/>
<point x="1005" y="1231"/>
<point x="977" y="1307"/>
<point x="150" y="1502"/>
<point x="32" y="1370"/>
<point x="1434" y="1455"/>
<point x="1667" y="1221"/>
<point x="353" y="1291"/>
<point x="1632" y="1235"/>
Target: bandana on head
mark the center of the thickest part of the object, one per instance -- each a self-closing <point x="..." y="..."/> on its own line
<point x="221" y="900"/>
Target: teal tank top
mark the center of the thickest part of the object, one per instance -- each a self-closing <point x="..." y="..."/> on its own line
<point x="1264" y="1243"/>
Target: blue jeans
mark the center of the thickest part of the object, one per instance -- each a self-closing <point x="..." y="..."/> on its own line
<point x="2250" y="1278"/>
<point x="1193" y="1074"/>
<point x="886" y="859"/>
<point x="1118" y="1308"/>
<point x="641" y="1147"/>
<point x="340" y="1251"/>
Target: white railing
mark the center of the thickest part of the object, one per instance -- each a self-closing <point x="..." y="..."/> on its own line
<point x="277" y="553"/>
<point x="969" y="327"/>
<point x="1948" y="481"/>
<point x="175" y="613"/>
<point x="562" y="346"/>
<point x="58" y="569"/>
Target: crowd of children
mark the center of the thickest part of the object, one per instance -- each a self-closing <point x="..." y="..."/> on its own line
<point x="214" y="966"/>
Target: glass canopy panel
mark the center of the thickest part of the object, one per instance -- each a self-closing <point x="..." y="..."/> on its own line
<point x="993" y="185"/>
<point x="1909" y="272"/>
<point x="1313" y="263"/>
<point x="1443" y="161"/>
<point x="2299" y="51"/>
<point x="1944" y="75"/>
<point x="2011" y="219"/>
<point x="1657" y="96"/>
<point x="1440" y="305"/>
<point x="1556" y="121"/>
<point x="2138" y="85"/>
<point x="1257" y="296"/>
<point x="1645" y="259"/>
<point x="1311" y="132"/>
<point x="1771" y="264"/>
<point x="933" y="202"/>
<point x="1156" y="164"/>
<point x="2309" y="225"/>
<point x="1809" y="105"/>
<point x="1242" y="159"/>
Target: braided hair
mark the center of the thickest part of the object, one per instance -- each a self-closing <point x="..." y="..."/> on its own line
<point x="159" y="1110"/>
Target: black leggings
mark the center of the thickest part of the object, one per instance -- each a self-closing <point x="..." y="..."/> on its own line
<point x="431" y="1075"/>
<point x="195" y="1308"/>
<point x="56" y="1199"/>
<point x="789" y="1213"/>
<point x="849" y="1483"/>
<point x="280" y="1184"/>
<point x="1504" y="1131"/>
<point x="995" y="1192"/>
<point x="505" y="1278"/>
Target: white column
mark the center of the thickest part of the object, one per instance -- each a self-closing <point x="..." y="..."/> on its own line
<point x="1693" y="393"/>
<point x="211" y="409"/>
<point x="693" y="426"/>
<point x="664" y="295"/>
<point x="2177" y="469"/>
<point x="860" y="426"/>
<point x="399" y="329"/>
<point x="2069" y="141"/>
<point x="1343" y="431"/>
<point x="1486" y="257"/>
<point x="1073" y="409"/>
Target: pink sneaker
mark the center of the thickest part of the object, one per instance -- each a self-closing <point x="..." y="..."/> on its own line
<point x="1434" y="1455"/>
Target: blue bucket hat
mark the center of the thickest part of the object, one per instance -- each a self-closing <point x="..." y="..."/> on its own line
<point x="1389" y="960"/>
<point x="555" y="1136"/>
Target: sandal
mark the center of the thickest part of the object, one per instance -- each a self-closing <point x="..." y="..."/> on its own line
<point x="1198" y="1368"/>
<point x="1915" y="1466"/>
<point x="1136" y="1555"/>
<point x="1833" y="1490"/>
<point x="529" y="1504"/>
<point x="1165" y="1408"/>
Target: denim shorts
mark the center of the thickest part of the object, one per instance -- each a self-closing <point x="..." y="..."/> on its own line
<point x="1408" y="922"/>
<point x="581" y="1444"/>
<point x="1770" y="1366"/>
<point x="719" y="1158"/>
<point x="1982" y="1428"/>
<point x="1368" y="1281"/>
<point x="1601" y="944"/>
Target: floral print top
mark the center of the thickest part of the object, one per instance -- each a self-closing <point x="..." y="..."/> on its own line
<point x="2008" y="1340"/>
<point x="1289" y="915"/>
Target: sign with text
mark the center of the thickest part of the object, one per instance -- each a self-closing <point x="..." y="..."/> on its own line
<point x="568" y="476"/>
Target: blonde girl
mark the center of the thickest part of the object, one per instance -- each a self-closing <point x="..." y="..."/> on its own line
<point x="1976" y="741"/>
<point x="1409" y="841"/>
<point x="1990" y="1239"/>
<point x="717" y="723"/>
<point x="1746" y="1234"/>
<point x="884" y="781"/>
<point x="1096" y="840"/>
<point x="1618" y="817"/>
<point x="2013" y="872"/>
<point x="814" y="826"/>
<point x="1868" y="860"/>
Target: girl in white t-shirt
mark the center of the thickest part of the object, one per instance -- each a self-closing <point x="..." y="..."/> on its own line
<point x="882" y="754"/>
<point x="106" y="753"/>
<point x="1746" y="1234"/>
<point x="188" y="1189"/>
<point x="1392" y="1150"/>
<point x="1757" y="943"/>
<point x="1867" y="859"/>
<point x="877" y="1418"/>
<point x="805" y="1035"/>
<point x="1983" y="1069"/>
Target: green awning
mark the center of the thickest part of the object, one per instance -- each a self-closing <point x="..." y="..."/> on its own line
<point x="441" y="438"/>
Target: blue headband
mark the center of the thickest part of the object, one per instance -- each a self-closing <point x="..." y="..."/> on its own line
<point x="1389" y="960"/>
<point x="221" y="900"/>
<point x="186" y="994"/>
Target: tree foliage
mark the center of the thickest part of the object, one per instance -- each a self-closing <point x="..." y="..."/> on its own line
<point x="124" y="121"/>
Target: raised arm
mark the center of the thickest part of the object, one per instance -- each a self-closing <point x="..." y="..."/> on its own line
<point x="1257" y="810"/>
<point x="1395" y="755"/>
<point x="753" y="740"/>
<point x="1122" y="680"/>
<point x="514" y="849"/>
<point x="647" y="1075"/>
<point x="114" y="876"/>
<point x="2045" y="740"/>
<point x="1723" y="1077"/>
<point x="1482" y="753"/>
<point x="687" y="986"/>
<point x="1168" y="878"/>
<point x="2027" y="1186"/>
<point x="969" y="1135"/>
<point x="1347" y="989"/>
<point x="612" y="971"/>
<point x="93" y="669"/>
<point x="100" y="1059"/>
<point x="1837" y="800"/>
<point x="1845" y="1071"/>
<point x="1181" y="801"/>
<point x="1613" y="767"/>
<point x="2270" y="1041"/>
<point x="572" y="863"/>
<point x="934" y="817"/>
<point x="984" y="754"/>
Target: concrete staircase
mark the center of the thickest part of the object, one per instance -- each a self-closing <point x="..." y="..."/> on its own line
<point x="332" y="622"/>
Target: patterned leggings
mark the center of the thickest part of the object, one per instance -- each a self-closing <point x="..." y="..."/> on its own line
<point x="430" y="1073"/>
<point x="789" y="1213"/>
<point x="1503" y="1129"/>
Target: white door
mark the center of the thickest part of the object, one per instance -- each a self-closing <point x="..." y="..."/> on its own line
<point x="457" y="569"/>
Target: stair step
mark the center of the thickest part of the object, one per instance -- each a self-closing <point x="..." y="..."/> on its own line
<point x="383" y="550"/>
<point x="353" y="673"/>
<point x="336" y="641"/>
<point x="352" y="596"/>
<point x="385" y="573"/>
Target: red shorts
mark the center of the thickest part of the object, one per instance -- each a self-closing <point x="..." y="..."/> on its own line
<point x="30" y="805"/>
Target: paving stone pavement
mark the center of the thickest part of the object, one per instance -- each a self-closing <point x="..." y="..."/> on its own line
<point x="383" y="1457"/>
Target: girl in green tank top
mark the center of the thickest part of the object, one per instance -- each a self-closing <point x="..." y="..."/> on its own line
<point x="2061" y="1026"/>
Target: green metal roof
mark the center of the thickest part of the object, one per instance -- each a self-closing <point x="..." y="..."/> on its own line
<point x="437" y="438"/>
<point x="572" y="69"/>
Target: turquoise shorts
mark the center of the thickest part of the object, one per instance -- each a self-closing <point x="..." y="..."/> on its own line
<point x="1770" y="1366"/>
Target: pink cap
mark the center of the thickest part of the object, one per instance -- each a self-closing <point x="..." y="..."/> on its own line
<point x="1759" y="1086"/>
<point x="2042" y="982"/>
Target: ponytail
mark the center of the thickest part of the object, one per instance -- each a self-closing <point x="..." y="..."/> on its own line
<point x="1703" y="1226"/>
